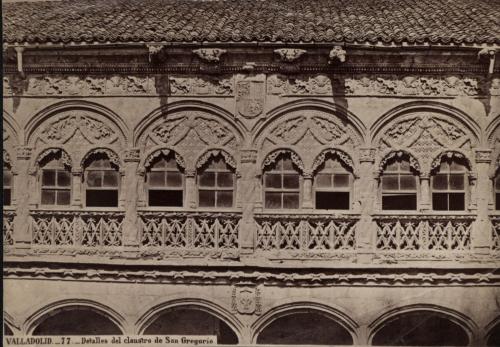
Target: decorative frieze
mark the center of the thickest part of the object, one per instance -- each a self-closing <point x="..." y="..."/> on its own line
<point x="211" y="55"/>
<point x="201" y="86"/>
<point x="289" y="54"/>
<point x="8" y="228"/>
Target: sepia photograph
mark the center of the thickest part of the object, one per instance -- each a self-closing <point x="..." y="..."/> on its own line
<point x="251" y="173"/>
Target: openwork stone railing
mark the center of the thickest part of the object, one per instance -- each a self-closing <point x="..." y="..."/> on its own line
<point x="423" y="233"/>
<point x="306" y="233"/>
<point x="495" y="233"/>
<point x="76" y="229"/>
<point x="8" y="227"/>
<point x="189" y="231"/>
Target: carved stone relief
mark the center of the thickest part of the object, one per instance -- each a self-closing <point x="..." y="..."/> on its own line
<point x="204" y="85"/>
<point x="246" y="300"/>
<point x="250" y="97"/>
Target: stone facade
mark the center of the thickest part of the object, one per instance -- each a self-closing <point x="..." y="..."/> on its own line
<point x="250" y="264"/>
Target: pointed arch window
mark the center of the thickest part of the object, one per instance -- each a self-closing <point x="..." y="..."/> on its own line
<point x="102" y="181"/>
<point x="216" y="184"/>
<point x="165" y="182"/>
<point x="55" y="177"/>
<point x="282" y="184"/>
<point x="332" y="185"/>
<point x="449" y="185"/>
<point x="7" y="184"/>
<point x="399" y="185"/>
<point x="497" y="190"/>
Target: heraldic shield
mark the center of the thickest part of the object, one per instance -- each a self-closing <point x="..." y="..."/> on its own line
<point x="250" y="97"/>
<point x="246" y="300"/>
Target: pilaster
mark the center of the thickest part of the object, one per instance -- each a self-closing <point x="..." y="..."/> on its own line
<point x="481" y="231"/>
<point x="130" y="195"/>
<point x="22" y="237"/>
<point x="249" y="193"/>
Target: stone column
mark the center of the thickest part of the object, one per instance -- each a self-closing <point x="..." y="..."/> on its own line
<point x="250" y="195"/>
<point x="190" y="188"/>
<point x="24" y="190"/>
<point x="130" y="198"/>
<point x="367" y="192"/>
<point x="481" y="231"/>
<point x="76" y="184"/>
<point x="425" y="202"/>
<point x="307" y="202"/>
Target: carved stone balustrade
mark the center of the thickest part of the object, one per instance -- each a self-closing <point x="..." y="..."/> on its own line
<point x="495" y="233"/>
<point x="8" y="227"/>
<point x="308" y="236"/>
<point x="186" y="234"/>
<point x="76" y="229"/>
<point x="423" y="233"/>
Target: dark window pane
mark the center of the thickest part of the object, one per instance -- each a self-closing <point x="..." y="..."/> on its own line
<point x="224" y="179"/>
<point x="341" y="181"/>
<point x="207" y="179"/>
<point x="497" y="201"/>
<point x="497" y="183"/>
<point x="6" y="196"/>
<point x="94" y="179"/>
<point x="390" y="182"/>
<point x="457" y="201"/>
<point x="273" y="200"/>
<point x="440" y="182"/>
<point x="457" y="181"/>
<point x="225" y="199"/>
<point x="48" y="197"/>
<point x="7" y="178"/>
<point x="102" y="198"/>
<point x="156" y="179"/>
<point x="399" y="202"/>
<point x="165" y="198"/>
<point x="63" y="197"/>
<point x="287" y="164"/>
<point x="272" y="180"/>
<point x="207" y="198"/>
<point x="324" y="180"/>
<point x="159" y="164"/>
<point x="63" y="179"/>
<point x="440" y="201"/>
<point x="408" y="182"/>
<point x="111" y="179"/>
<point x="291" y="181"/>
<point x="290" y="200"/>
<point x="48" y="178"/>
<point x="174" y="179"/>
<point x="332" y="200"/>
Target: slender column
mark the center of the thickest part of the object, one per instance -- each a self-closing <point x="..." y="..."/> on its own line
<point x="190" y="189"/>
<point x="24" y="189"/>
<point x="130" y="198"/>
<point x="76" y="193"/>
<point x="366" y="228"/>
<point x="250" y="195"/>
<point x="425" y="204"/>
<point x="481" y="231"/>
<point x="307" y="194"/>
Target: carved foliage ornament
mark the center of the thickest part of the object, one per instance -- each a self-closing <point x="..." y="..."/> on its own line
<point x="344" y="157"/>
<point x="6" y="158"/>
<point x="62" y="129"/>
<point x="271" y="158"/>
<point x="178" y="159"/>
<point x="57" y="151"/>
<point x="209" y="54"/>
<point x="112" y="156"/>
<point x="398" y="154"/>
<point x="289" y="54"/>
<point x="229" y="160"/>
<point x="201" y="86"/>
<point x="448" y="154"/>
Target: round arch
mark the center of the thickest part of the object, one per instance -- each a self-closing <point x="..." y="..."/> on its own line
<point x="205" y="309"/>
<point x="109" y="152"/>
<point x="424" y="106"/>
<point x="204" y="157"/>
<point x="93" y="310"/>
<point x="385" y="157"/>
<point x="340" y="153"/>
<point x="10" y="125"/>
<point x="342" y="324"/>
<point x="347" y="117"/>
<point x="37" y="120"/>
<point x="185" y="105"/>
<point x="42" y="153"/>
<point x="456" y="324"/>
<point x="157" y="151"/>
<point x="270" y="156"/>
<point x="493" y="333"/>
<point x="458" y="154"/>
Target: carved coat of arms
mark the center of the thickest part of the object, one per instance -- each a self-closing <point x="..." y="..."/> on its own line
<point x="250" y="98"/>
<point x="246" y="300"/>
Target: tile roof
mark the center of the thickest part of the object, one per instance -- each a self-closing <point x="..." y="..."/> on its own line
<point x="433" y="21"/>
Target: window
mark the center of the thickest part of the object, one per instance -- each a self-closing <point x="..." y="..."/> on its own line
<point x="332" y="186"/>
<point x="399" y="185"/>
<point x="102" y="181"/>
<point x="165" y="182"/>
<point x="7" y="184"/>
<point x="282" y="185"/>
<point x="497" y="190"/>
<point x="216" y="184"/>
<point x="55" y="181"/>
<point x="449" y="186"/>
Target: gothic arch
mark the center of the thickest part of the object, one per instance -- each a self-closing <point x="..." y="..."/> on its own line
<point x="340" y="153"/>
<point x="101" y="125"/>
<point x="166" y="112"/>
<point x="299" y="307"/>
<point x="10" y="322"/>
<point x="459" y="319"/>
<point x="11" y="129"/>
<point x="155" y="152"/>
<point x="493" y="142"/>
<point x="270" y="157"/>
<point x="459" y="154"/>
<point x="42" y="153"/>
<point x="198" y="303"/>
<point x="40" y="315"/>
<point x="391" y="153"/>
<point x="210" y="153"/>
<point x="425" y="129"/>
<point x="492" y="337"/>
<point x="109" y="152"/>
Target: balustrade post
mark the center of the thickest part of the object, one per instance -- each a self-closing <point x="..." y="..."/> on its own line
<point x="24" y="190"/>
<point x="307" y="196"/>
<point x="190" y="189"/>
<point x="366" y="227"/>
<point x="481" y="238"/>
<point x="131" y="227"/>
<point x="249" y="192"/>
<point x="425" y="204"/>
